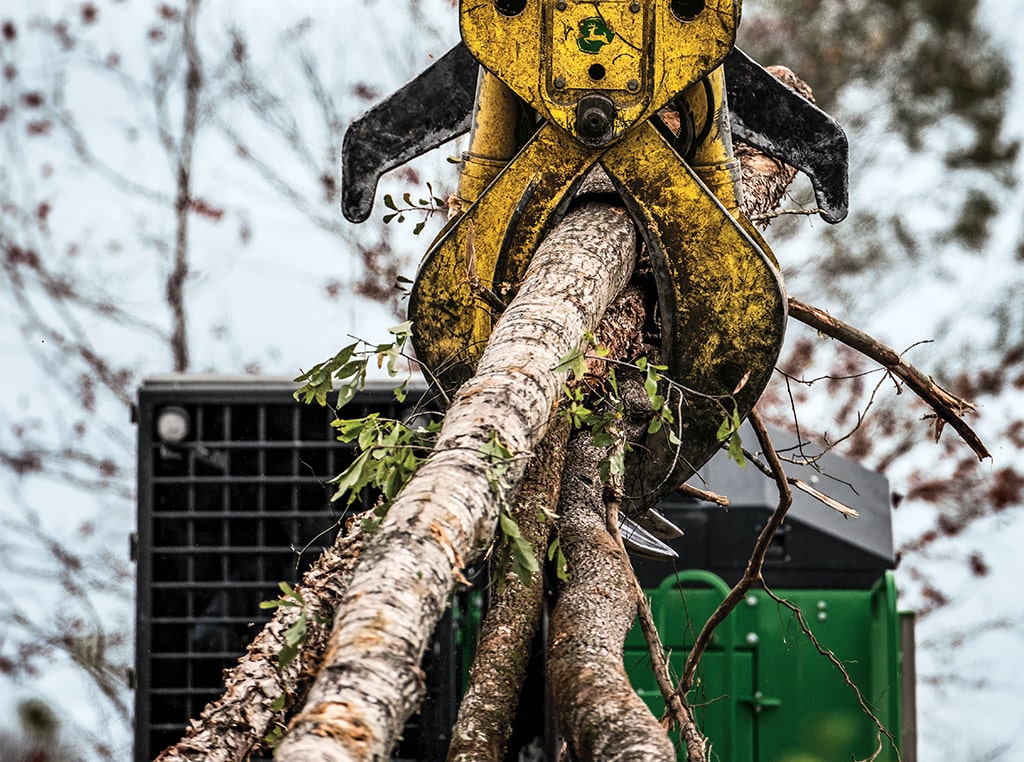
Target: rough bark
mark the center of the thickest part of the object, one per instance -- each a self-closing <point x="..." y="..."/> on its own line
<point x="445" y="518"/>
<point x="231" y="727"/>
<point x="496" y="676"/>
<point x="599" y="713"/>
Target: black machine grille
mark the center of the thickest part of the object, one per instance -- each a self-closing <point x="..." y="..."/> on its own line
<point x="233" y="499"/>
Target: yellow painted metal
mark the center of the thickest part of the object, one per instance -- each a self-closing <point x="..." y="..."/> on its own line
<point x="639" y="54"/>
<point x="452" y="324"/>
<point x="492" y="139"/>
<point x="712" y="158"/>
<point x="722" y="303"/>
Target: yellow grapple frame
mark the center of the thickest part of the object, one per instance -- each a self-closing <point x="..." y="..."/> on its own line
<point x="594" y="73"/>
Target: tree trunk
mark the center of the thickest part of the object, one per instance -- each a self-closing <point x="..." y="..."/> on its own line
<point x="499" y="665"/>
<point x="231" y="727"/>
<point x="445" y="517"/>
<point x="598" y="711"/>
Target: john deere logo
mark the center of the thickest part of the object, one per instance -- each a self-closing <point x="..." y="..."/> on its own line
<point x="594" y="35"/>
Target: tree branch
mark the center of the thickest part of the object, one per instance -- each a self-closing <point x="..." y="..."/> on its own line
<point x="233" y="726"/>
<point x="947" y="406"/>
<point x="752" y="573"/>
<point x="496" y="676"/>
<point x="597" y="709"/>
<point x="175" y="289"/>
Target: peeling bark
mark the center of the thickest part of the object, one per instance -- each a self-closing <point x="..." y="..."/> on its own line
<point x="499" y="666"/>
<point x="445" y="517"/>
<point x="233" y="726"/>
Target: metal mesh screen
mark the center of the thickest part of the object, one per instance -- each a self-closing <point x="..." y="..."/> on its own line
<point x="232" y="500"/>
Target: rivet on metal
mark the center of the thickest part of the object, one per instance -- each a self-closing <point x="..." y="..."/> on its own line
<point x="560" y="5"/>
<point x="559" y="83"/>
<point x="751" y="600"/>
<point x="632" y="85"/>
<point x="752" y="639"/>
<point x="634" y="7"/>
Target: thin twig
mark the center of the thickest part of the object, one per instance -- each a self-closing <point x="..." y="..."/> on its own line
<point x="828" y="654"/>
<point x="831" y="502"/>
<point x="703" y="494"/>
<point x="175" y="288"/>
<point x="780" y="212"/>
<point x="752" y="573"/>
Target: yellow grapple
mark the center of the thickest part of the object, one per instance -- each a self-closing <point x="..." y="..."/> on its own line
<point x="594" y="74"/>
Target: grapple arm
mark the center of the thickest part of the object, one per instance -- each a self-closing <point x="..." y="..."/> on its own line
<point x="785" y="125"/>
<point x="424" y="114"/>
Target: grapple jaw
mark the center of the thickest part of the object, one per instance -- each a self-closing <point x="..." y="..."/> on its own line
<point x="595" y="75"/>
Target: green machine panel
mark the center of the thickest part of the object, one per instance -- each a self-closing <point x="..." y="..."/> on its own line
<point x="764" y="692"/>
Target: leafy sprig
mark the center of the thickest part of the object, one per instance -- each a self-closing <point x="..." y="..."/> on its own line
<point x="428" y="206"/>
<point x="346" y="371"/>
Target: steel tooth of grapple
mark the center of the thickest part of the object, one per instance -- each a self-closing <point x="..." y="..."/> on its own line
<point x="777" y="120"/>
<point x="642" y="543"/>
<point x="424" y="114"/>
<point x="658" y="525"/>
<point x="722" y="304"/>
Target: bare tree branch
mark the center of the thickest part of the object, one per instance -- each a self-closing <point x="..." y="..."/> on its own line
<point x="752" y="573"/>
<point x="175" y="290"/>
<point x="947" y="406"/>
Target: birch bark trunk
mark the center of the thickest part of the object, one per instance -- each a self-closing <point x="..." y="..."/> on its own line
<point x="445" y="518"/>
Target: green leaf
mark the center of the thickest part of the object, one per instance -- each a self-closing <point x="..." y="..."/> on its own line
<point x="401" y="391"/>
<point x="296" y="634"/>
<point x="561" y="565"/>
<point x="524" y="562"/>
<point x="574" y="362"/>
<point x="273" y="738"/>
<point x="509" y="526"/>
<point x="350" y="481"/>
<point x="736" y="450"/>
<point x="402" y="330"/>
<point x="286" y="655"/>
<point x="278" y="703"/>
<point x="389" y="202"/>
<point x="290" y="592"/>
<point x="725" y="429"/>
